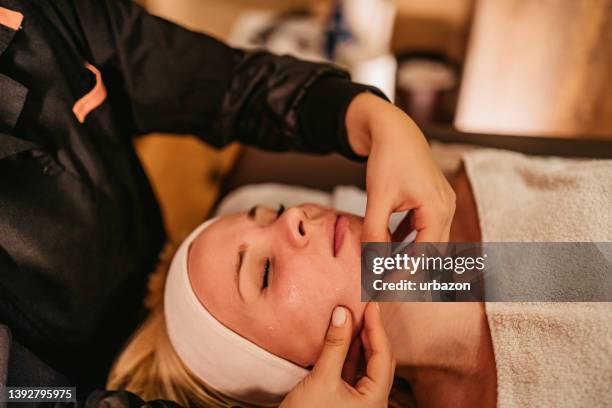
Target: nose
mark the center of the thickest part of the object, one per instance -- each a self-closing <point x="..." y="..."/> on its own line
<point x="294" y="224"/>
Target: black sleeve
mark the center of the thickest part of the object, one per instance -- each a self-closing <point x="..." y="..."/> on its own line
<point x="180" y="81"/>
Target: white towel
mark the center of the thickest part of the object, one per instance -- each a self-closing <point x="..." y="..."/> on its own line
<point x="547" y="354"/>
<point x="524" y="199"/>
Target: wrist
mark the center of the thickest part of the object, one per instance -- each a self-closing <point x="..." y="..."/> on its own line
<point x="370" y="118"/>
<point x="358" y="122"/>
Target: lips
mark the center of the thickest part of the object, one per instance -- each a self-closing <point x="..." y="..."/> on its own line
<point x="340" y="228"/>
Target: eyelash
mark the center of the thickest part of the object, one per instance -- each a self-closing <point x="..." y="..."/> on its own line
<point x="264" y="284"/>
<point x="266" y="272"/>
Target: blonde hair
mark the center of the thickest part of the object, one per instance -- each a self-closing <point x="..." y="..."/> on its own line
<point x="148" y="365"/>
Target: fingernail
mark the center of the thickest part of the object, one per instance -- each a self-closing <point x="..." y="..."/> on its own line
<point x="339" y="316"/>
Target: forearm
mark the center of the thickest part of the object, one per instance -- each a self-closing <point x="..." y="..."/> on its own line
<point x="299" y="105"/>
<point x="369" y="116"/>
<point x="170" y="79"/>
<point x="173" y="80"/>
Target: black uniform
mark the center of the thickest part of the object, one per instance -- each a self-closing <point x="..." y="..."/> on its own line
<point x="79" y="226"/>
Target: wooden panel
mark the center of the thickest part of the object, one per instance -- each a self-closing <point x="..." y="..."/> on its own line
<point x="539" y="67"/>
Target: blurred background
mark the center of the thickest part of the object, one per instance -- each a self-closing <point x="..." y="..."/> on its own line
<point x="537" y="68"/>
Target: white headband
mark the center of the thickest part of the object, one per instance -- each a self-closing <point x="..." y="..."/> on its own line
<point x="220" y="357"/>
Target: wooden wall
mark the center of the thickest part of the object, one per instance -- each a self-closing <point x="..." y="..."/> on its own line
<point x="539" y="67"/>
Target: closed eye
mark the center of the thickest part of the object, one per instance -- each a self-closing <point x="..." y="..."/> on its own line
<point x="266" y="274"/>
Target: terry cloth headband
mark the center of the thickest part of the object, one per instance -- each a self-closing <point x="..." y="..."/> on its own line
<point x="218" y="356"/>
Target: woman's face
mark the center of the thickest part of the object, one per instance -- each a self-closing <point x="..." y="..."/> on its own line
<point x="275" y="278"/>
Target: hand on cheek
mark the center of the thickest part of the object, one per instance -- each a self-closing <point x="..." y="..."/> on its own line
<point x="325" y="387"/>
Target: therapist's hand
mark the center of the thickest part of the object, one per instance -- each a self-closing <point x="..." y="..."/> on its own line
<point x="401" y="174"/>
<point x="324" y="386"/>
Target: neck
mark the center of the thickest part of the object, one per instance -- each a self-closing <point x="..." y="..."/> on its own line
<point x="444" y="350"/>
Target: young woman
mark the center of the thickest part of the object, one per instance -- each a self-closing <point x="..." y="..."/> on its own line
<point x="273" y="277"/>
<point x="248" y="299"/>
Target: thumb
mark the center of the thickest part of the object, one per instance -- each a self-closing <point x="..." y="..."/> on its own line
<point x="337" y="342"/>
<point x="376" y="220"/>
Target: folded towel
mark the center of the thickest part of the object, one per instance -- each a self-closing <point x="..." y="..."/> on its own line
<point x="547" y="354"/>
<point x="525" y="199"/>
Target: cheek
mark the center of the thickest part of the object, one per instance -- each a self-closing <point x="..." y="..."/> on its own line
<point x="307" y="290"/>
<point x="310" y="282"/>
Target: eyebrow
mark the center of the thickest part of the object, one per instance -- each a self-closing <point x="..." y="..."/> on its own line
<point x="241" y="251"/>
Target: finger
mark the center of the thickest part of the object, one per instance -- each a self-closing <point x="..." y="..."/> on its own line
<point x="376" y="221"/>
<point x="336" y="345"/>
<point x="379" y="358"/>
<point x="352" y="363"/>
<point x="430" y="227"/>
